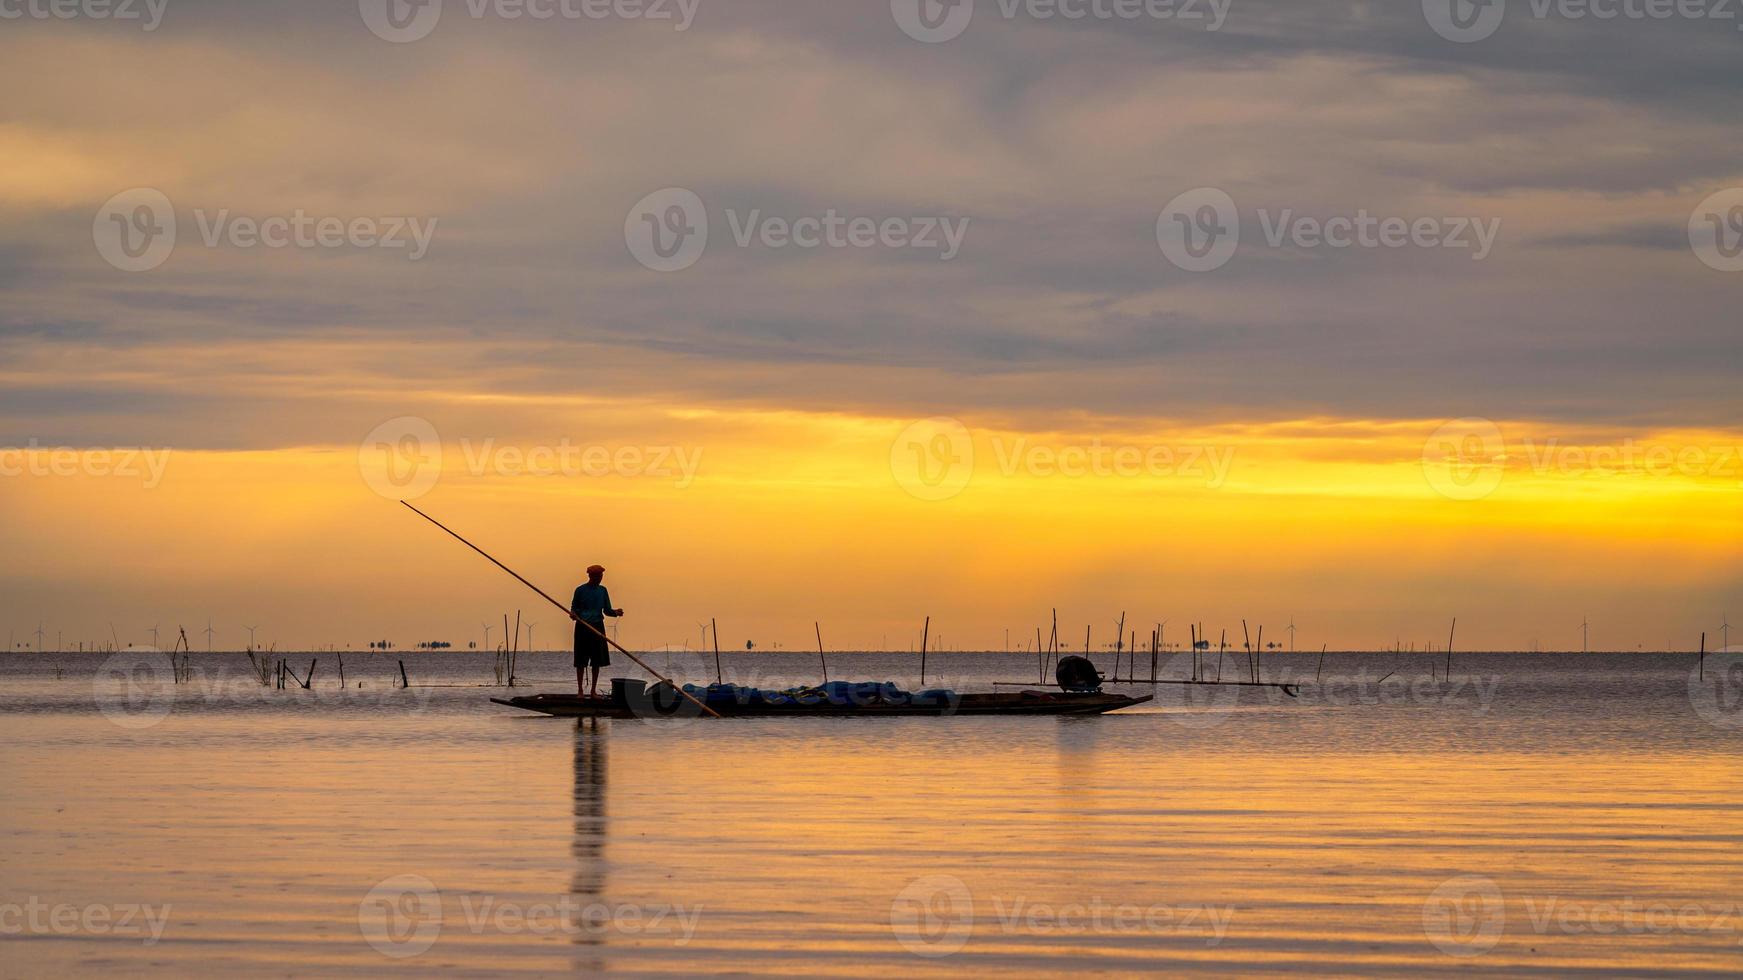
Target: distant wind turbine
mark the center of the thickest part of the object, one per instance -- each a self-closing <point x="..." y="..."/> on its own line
<point x="153" y="632"/>
<point x="486" y="636"/>
<point x="39" y="636"/>
<point x="530" y="626"/>
<point x="209" y="632"/>
<point x="702" y="637"/>
<point x="1292" y="634"/>
<point x="1585" y="635"/>
<point x="250" y="630"/>
<point x="1725" y="630"/>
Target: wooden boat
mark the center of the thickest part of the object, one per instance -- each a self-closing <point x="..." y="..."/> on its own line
<point x="1022" y="703"/>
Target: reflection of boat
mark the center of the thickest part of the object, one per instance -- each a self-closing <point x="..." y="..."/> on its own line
<point x="649" y="704"/>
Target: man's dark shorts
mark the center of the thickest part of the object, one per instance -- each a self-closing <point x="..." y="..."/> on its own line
<point x="590" y="648"/>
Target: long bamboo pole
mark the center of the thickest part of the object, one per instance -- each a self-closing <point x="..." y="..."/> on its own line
<point x="517" y="576"/>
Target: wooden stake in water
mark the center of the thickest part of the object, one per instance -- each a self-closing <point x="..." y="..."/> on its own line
<point x="1255" y="655"/>
<point x="1703" y="663"/>
<point x="1449" y="645"/>
<point x="1246" y="640"/>
<point x="820" y="656"/>
<point x="1321" y="668"/>
<point x="925" y="633"/>
<point x="714" y="631"/>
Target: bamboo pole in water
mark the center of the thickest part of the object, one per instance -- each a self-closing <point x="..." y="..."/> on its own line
<point x="925" y="633"/>
<point x="1449" y="647"/>
<point x="1253" y="658"/>
<point x="714" y="631"/>
<point x="1247" y="641"/>
<point x="820" y="656"/>
<point x="1193" y="629"/>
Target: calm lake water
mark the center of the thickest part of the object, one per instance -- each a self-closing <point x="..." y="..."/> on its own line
<point x="1539" y="814"/>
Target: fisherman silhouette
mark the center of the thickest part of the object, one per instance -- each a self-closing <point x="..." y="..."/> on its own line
<point x="588" y="609"/>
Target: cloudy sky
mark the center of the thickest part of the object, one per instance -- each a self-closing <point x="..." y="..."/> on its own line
<point x="946" y="248"/>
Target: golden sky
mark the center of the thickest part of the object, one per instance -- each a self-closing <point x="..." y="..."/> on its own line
<point x="1367" y="440"/>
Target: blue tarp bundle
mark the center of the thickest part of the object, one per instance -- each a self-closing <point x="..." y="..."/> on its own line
<point x="837" y="693"/>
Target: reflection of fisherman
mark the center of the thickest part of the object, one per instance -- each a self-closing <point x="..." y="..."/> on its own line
<point x="589" y="609"/>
